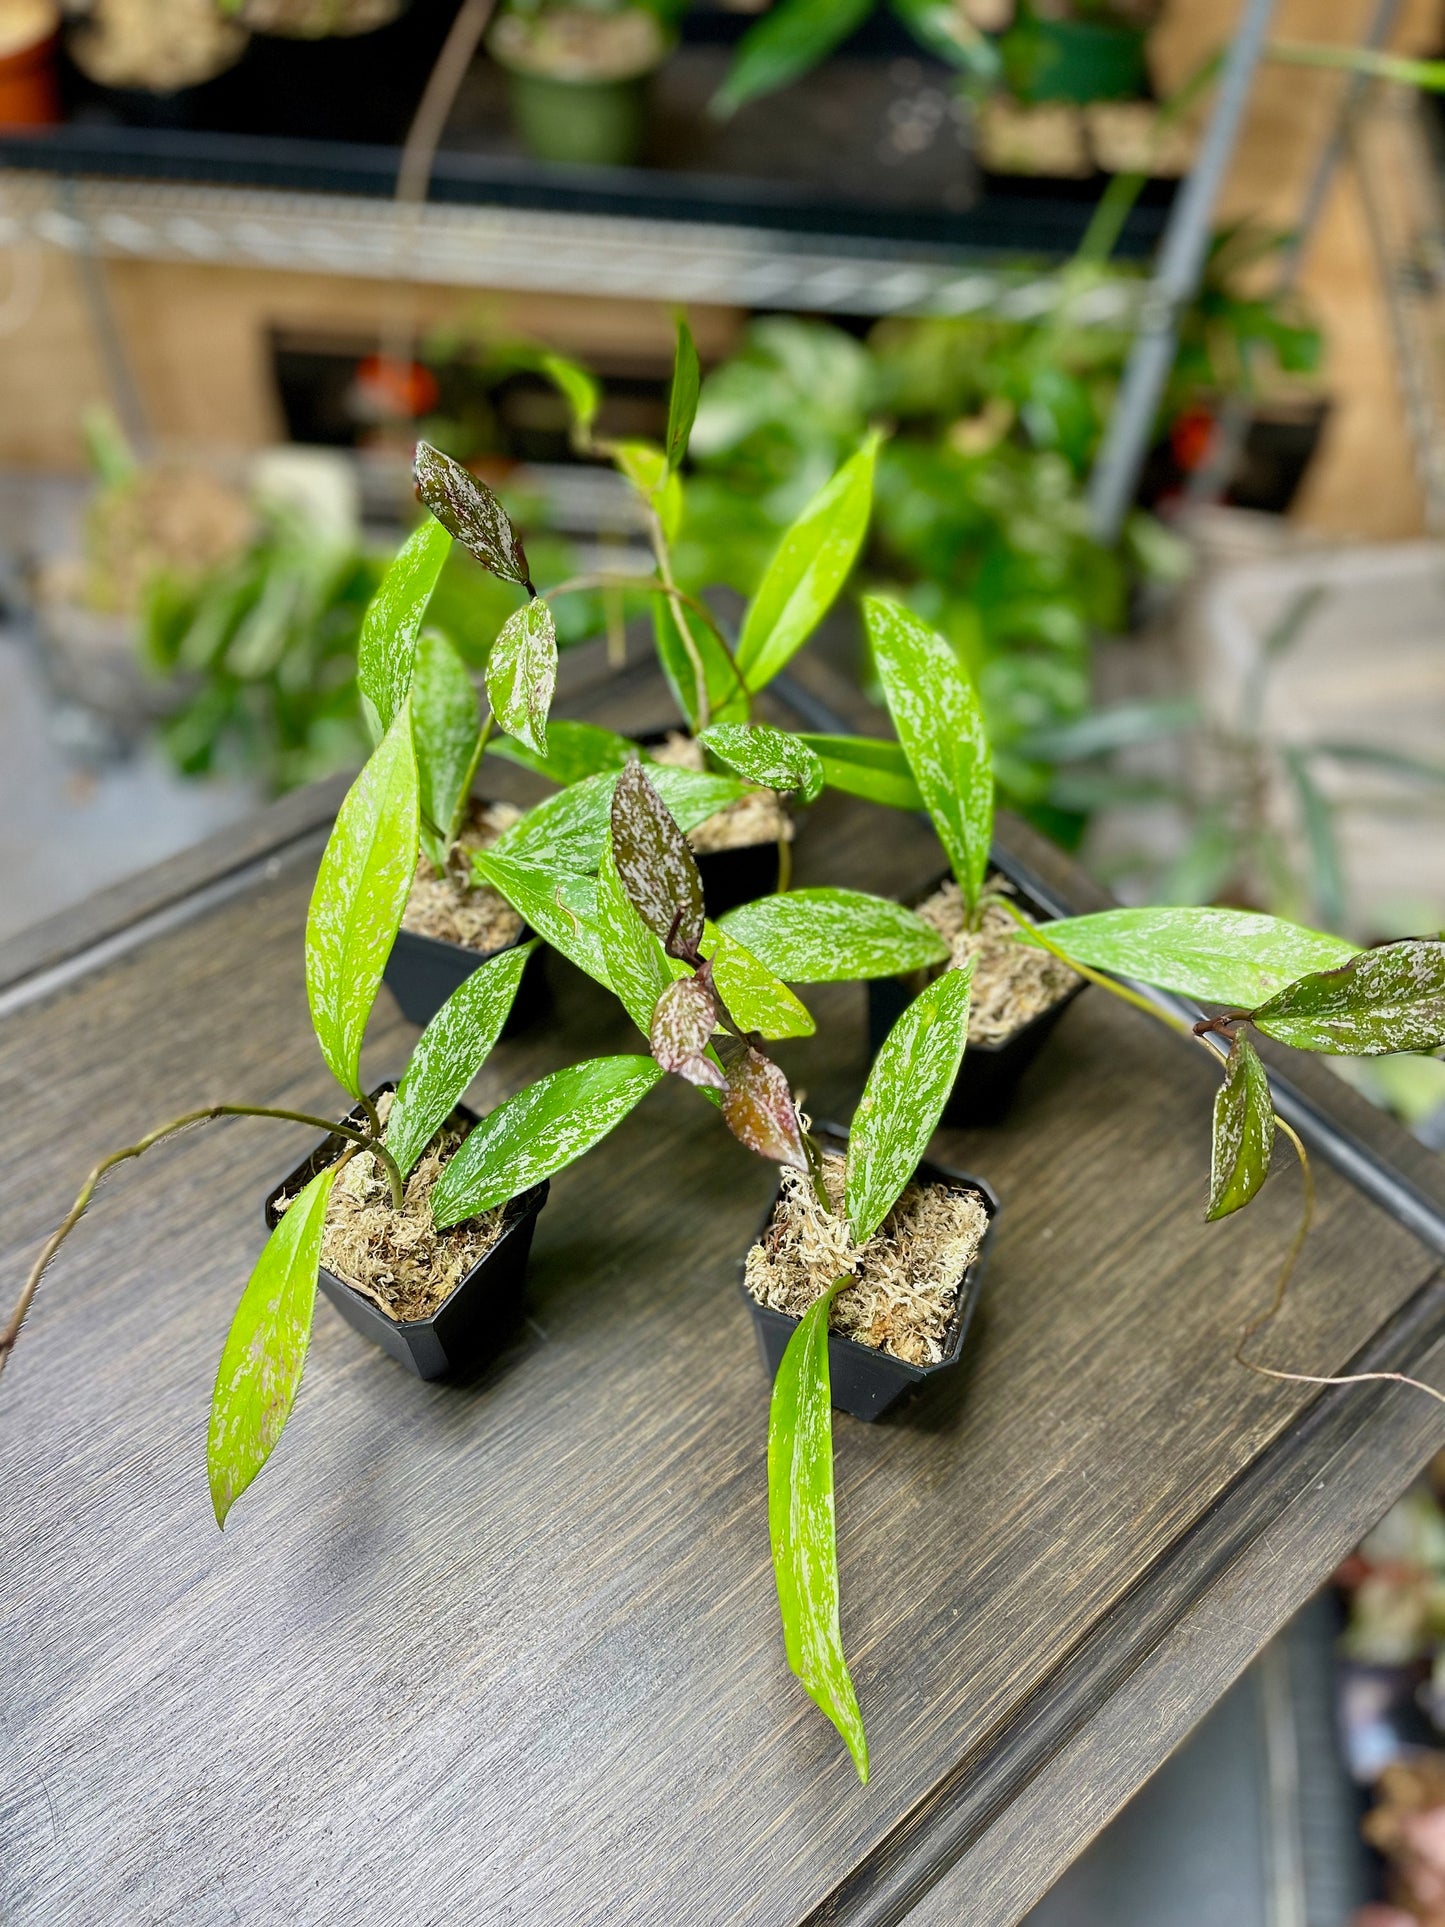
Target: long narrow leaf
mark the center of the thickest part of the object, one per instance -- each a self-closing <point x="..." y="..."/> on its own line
<point x="1236" y="957"/>
<point x="1385" y="1000"/>
<point x="834" y="936"/>
<point x="866" y="766"/>
<point x="791" y="38"/>
<point x="445" y="730"/>
<point x="682" y="402"/>
<point x="569" y="830"/>
<point x="386" y="650"/>
<point x="561" y="908"/>
<point x="574" y="750"/>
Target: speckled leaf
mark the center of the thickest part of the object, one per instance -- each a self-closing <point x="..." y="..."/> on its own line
<point x="809" y="567"/>
<point x="755" y="998"/>
<point x="522" y="674"/>
<point x="539" y="1131"/>
<point x="834" y="936"/>
<point x="939" y="720"/>
<point x="265" y="1349"/>
<point x="904" y="1097"/>
<point x="569" y="830"/>
<point x="656" y="867"/>
<point x="760" y="1112"/>
<point x="866" y="766"/>
<point x="468" y="509"/>
<point x="683" y="1021"/>
<point x="450" y="1051"/>
<point x="1390" y="999"/>
<point x="361" y="891"/>
<point x="1243" y="1131"/>
<point x="682" y="402"/>
<point x="721" y="685"/>
<point x="765" y="755"/>
<point x="574" y="750"/>
<point x="560" y="907"/>
<point x="392" y="623"/>
<point x="445" y="730"/>
<point x="1235" y="957"/>
<point x="636" y="962"/>
<point x="802" y="1527"/>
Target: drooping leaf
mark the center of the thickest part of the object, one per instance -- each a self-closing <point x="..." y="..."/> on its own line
<point x="867" y="766"/>
<point x="450" y="1051"/>
<point x="265" y="1349"/>
<point x="445" y="726"/>
<point x="726" y="695"/>
<point x="834" y="936"/>
<point x="567" y="831"/>
<point x="1236" y="957"/>
<point x="574" y="750"/>
<point x="791" y="38"/>
<point x="683" y="1022"/>
<point x="581" y="392"/>
<point x="1390" y="999"/>
<point x="939" y="720"/>
<point x="682" y="402"/>
<point x="538" y="1132"/>
<point x="560" y="907"/>
<point x="904" y="1097"/>
<point x="656" y="868"/>
<point x="810" y="566"/>
<point x="1243" y="1131"/>
<point x="802" y="1527"/>
<point x="637" y="965"/>
<point x="765" y="755"/>
<point x="759" y="1110"/>
<point x="386" y="649"/>
<point x="468" y="509"/>
<point x="522" y="674"/>
<point x="755" y="998"/>
<point x="361" y="891"/>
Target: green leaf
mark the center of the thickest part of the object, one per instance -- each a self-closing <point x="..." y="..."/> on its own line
<point x="866" y="766"/>
<point x="791" y="38"/>
<point x="656" y="868"/>
<point x="643" y="463"/>
<point x="1390" y="999"/>
<point x="567" y="831"/>
<point x="582" y="394"/>
<point x="265" y="1349"/>
<point x="574" y="750"/>
<point x="522" y="674"/>
<point x="773" y="757"/>
<point x="445" y="726"/>
<point x="470" y="511"/>
<point x="834" y="936"/>
<point x="755" y="998"/>
<point x="637" y="966"/>
<point x="758" y="1109"/>
<point x="450" y="1051"/>
<point x="561" y="908"/>
<point x="1235" y="957"/>
<point x="682" y="402"/>
<point x="726" y="695"/>
<point x="802" y="1527"/>
<point x="904" y="1097"/>
<point x="945" y="29"/>
<point x="360" y="894"/>
<point x="1243" y="1132"/>
<point x="537" y="1132"/>
<point x="392" y="623"/>
<point x="810" y="566"/>
<point x="936" y="712"/>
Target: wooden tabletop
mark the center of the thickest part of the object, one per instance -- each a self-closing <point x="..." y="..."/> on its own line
<point x="507" y="1651"/>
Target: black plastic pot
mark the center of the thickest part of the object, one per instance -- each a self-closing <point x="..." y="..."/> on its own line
<point x="422" y="972"/>
<point x="867" y="1383"/>
<point x="482" y="1308"/>
<point x="989" y="1074"/>
<point x="729" y="877"/>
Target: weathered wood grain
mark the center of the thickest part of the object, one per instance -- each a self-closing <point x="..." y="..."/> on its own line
<point x="506" y="1651"/>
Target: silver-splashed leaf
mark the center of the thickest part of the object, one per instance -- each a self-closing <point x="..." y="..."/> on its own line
<point x="569" y="830"/>
<point x="683" y="1021"/>
<point x="1236" y="957"/>
<point x="656" y="867"/>
<point x="445" y="726"/>
<point x="522" y="674"/>
<point x="771" y="757"/>
<point x="1243" y="1132"/>
<point x="834" y="936"/>
<point x="560" y="907"/>
<point x="467" y="509"/>
<point x="754" y="998"/>
<point x="1384" y="1000"/>
<point x="391" y="626"/>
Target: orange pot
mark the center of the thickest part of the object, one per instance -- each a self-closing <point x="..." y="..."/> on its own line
<point x="29" y="32"/>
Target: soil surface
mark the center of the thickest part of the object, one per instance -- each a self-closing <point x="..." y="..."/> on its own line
<point x="1012" y="982"/>
<point x="454" y="908"/>
<point x="758" y="817"/>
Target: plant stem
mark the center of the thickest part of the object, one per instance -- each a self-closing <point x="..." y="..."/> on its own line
<point x="76" y="1212"/>
<point x="816" y="1169"/>
<point x="785" y="864"/>
<point x="372" y="1142"/>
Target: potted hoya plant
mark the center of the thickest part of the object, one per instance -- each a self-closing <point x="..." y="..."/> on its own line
<point x="579" y="73"/>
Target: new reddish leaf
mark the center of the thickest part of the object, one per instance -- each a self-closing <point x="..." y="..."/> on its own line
<point x="467" y="509"/>
<point x="683" y="1021"/>
<point x="758" y="1108"/>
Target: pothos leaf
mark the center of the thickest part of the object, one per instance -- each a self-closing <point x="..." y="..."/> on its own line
<point x="387" y="646"/>
<point x="939" y="720"/>
<point x="802" y="1527"/>
<point x="1236" y="957"/>
<point x="656" y="867"/>
<point x="265" y="1349"/>
<point x="574" y="750"/>
<point x="759" y="1110"/>
<point x="1243" y="1132"/>
<point x="445" y="731"/>
<point x="522" y="674"/>
<point x="1390" y="999"/>
<point x="561" y="908"/>
<point x="904" y="1097"/>
<point x="450" y="1051"/>
<point x="834" y="936"/>
<point x="682" y="403"/>
<point x="538" y="1132"/>
<point x="765" y="755"/>
<point x="467" y="509"/>
<point x="683" y="1021"/>
<point x="360" y="894"/>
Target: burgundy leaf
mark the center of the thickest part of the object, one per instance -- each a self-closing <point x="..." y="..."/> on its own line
<point x="759" y="1110"/>
<point x="655" y="864"/>
<point x="683" y="1020"/>
<point x="467" y="509"/>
